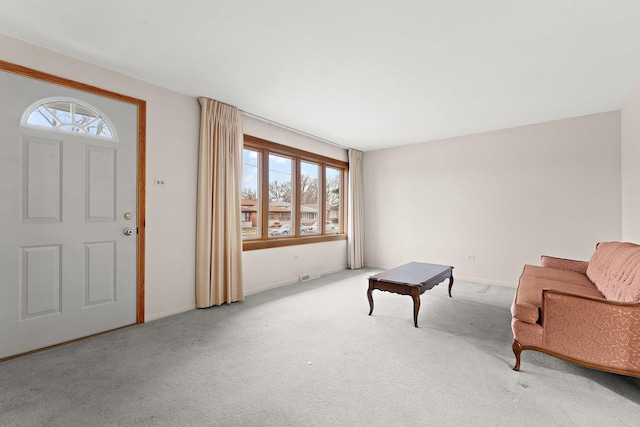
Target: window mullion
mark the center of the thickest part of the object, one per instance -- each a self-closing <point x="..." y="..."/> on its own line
<point x="323" y="199"/>
<point x="264" y="193"/>
<point x="295" y="203"/>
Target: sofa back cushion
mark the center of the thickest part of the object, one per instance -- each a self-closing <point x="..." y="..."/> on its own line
<point x="615" y="270"/>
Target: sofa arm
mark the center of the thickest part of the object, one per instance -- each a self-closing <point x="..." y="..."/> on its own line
<point x="592" y="330"/>
<point x="525" y="312"/>
<point x="564" y="264"/>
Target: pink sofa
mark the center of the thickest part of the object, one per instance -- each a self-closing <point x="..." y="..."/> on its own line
<point x="584" y="312"/>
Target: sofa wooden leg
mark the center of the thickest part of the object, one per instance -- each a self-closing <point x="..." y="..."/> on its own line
<point x="517" y="349"/>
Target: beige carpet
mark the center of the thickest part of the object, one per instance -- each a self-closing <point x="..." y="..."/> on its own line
<point x="308" y="355"/>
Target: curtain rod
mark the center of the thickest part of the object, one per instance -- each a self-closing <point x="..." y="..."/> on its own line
<point x="293" y="129"/>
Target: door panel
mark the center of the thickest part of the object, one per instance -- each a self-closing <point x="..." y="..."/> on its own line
<point x="100" y="273"/>
<point x="100" y="184"/>
<point x="42" y="180"/>
<point x="67" y="270"/>
<point x="40" y="284"/>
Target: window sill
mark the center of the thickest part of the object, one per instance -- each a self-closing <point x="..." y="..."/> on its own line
<point x="279" y="242"/>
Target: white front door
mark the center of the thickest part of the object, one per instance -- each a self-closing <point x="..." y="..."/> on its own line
<point x="67" y="269"/>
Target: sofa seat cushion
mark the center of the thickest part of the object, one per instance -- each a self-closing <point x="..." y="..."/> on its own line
<point x="557" y="275"/>
<point x="528" y="298"/>
<point x="615" y="270"/>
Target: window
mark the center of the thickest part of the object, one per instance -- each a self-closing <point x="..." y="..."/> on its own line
<point x="309" y="192"/>
<point x="280" y="195"/>
<point x="249" y="199"/>
<point x="297" y="196"/>
<point x="68" y="115"/>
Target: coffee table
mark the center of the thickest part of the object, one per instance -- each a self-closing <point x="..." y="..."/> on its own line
<point x="410" y="279"/>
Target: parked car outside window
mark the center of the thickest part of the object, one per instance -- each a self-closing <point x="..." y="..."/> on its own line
<point x="328" y="226"/>
<point x="286" y="230"/>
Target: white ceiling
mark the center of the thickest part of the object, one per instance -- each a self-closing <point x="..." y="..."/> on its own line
<point x="365" y="74"/>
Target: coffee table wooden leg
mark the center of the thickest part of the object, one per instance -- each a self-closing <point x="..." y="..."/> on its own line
<point x="370" y="297"/>
<point x="450" y="285"/>
<point x="415" y="294"/>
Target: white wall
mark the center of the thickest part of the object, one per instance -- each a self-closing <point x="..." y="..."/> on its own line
<point x="631" y="168"/>
<point x="506" y="197"/>
<point x="172" y="149"/>
<point x="268" y="268"/>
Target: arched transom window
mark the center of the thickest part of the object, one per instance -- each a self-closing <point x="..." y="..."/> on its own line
<point x="69" y="115"/>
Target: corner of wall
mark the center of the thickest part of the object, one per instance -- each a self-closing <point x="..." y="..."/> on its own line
<point x="630" y="167"/>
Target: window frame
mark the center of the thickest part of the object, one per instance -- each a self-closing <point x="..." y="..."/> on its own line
<point x="265" y="148"/>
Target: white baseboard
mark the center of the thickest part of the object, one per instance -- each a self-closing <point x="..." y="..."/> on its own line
<point x="156" y="316"/>
<point x="292" y="281"/>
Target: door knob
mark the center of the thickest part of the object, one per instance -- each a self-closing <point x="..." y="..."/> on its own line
<point x="128" y="231"/>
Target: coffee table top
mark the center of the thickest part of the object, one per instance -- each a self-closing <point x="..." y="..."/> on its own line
<point x="413" y="273"/>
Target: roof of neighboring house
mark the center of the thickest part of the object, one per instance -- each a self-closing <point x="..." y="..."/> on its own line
<point x="273" y="208"/>
<point x="279" y="203"/>
<point x="249" y="205"/>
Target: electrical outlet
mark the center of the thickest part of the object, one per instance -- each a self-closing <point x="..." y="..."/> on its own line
<point x="471" y="257"/>
<point x="158" y="182"/>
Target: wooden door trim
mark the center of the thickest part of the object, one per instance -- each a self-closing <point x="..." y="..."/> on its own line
<point x="141" y="161"/>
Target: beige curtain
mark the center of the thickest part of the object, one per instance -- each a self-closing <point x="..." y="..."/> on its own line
<point x="355" y="217"/>
<point x="218" y="227"/>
